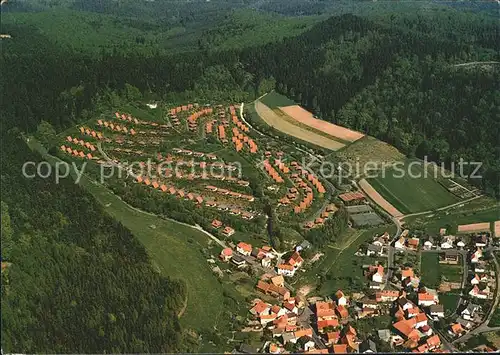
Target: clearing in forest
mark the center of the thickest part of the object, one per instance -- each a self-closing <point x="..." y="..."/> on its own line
<point x="305" y="117"/>
<point x="370" y="150"/>
<point x="378" y="199"/>
<point x="286" y="126"/>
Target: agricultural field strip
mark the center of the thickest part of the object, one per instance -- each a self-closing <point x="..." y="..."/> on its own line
<point x="305" y="117"/>
<point x="283" y="115"/>
<point x="273" y="120"/>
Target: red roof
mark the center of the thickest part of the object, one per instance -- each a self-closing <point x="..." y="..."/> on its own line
<point x="340" y="349"/>
<point x="245" y="246"/>
<point x="433" y="341"/>
<point x="328" y="323"/>
<point x="227" y="252"/>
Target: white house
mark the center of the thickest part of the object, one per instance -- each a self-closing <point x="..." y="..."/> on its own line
<point x="481" y="241"/>
<point x="266" y="262"/>
<point x="448" y="242"/>
<point x="476" y="256"/>
<point x="244" y="248"/>
<point x="428" y="245"/>
<point x="400" y="243"/>
<point x="437" y="310"/>
<point x="475" y="280"/>
<point x="469" y="312"/>
<point x="378" y="276"/>
<point x="404" y="303"/>
<point x="460" y="244"/>
<point x="341" y="299"/>
<point x="286" y="270"/>
<point x="289" y="338"/>
<point x="309" y="345"/>
<point x="481" y="294"/>
<point x="373" y="249"/>
<point x="152" y="105"/>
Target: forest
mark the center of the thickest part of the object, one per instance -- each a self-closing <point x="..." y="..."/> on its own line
<point x="76" y="281"/>
<point x="87" y="284"/>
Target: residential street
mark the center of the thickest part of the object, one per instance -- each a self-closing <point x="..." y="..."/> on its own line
<point x="483" y="327"/>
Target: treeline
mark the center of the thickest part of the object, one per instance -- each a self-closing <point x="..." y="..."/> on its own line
<point x="76" y="280"/>
<point x="331" y="231"/>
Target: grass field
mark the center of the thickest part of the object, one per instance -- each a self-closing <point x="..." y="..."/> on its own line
<point x="452" y="273"/>
<point x="410" y="193"/>
<point x="340" y="268"/>
<point x="369" y="149"/>
<point x="450" y="301"/>
<point x="274" y="100"/>
<point x="430" y="270"/>
<point x="175" y="251"/>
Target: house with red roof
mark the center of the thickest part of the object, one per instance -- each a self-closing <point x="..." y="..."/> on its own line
<point x="427" y="299"/>
<point x="244" y="248"/>
<point x="228" y="231"/>
<point x="329" y="323"/>
<point x="226" y="254"/>
<point x="286" y="270"/>
<point x="433" y="342"/>
<point x="295" y="260"/>
<point x="325" y="310"/>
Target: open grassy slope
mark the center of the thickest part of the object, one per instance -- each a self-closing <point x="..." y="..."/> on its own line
<point x="175" y="251"/>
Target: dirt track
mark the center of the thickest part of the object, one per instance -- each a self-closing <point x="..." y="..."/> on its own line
<point x="378" y="199"/>
<point x="273" y="120"/>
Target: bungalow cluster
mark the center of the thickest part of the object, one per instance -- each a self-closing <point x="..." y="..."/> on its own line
<point x="79" y="148"/>
<point x="319" y="221"/>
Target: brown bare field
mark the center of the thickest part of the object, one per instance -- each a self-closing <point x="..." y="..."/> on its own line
<point x="497" y="229"/>
<point x="283" y="125"/>
<point x="378" y="199"/>
<point x="306" y="117"/>
<point x="474" y="227"/>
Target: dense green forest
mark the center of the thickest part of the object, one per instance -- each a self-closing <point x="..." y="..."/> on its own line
<point x="78" y="281"/>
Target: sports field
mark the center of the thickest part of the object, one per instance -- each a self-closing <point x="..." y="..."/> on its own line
<point x="378" y="199"/>
<point x="411" y="193"/>
<point x="287" y="126"/>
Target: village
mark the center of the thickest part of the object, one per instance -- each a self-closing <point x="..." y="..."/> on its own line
<point x="413" y="310"/>
<point x="419" y="321"/>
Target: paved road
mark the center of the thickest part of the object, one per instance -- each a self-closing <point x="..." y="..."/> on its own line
<point x="475" y="63"/>
<point x="483" y="327"/>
